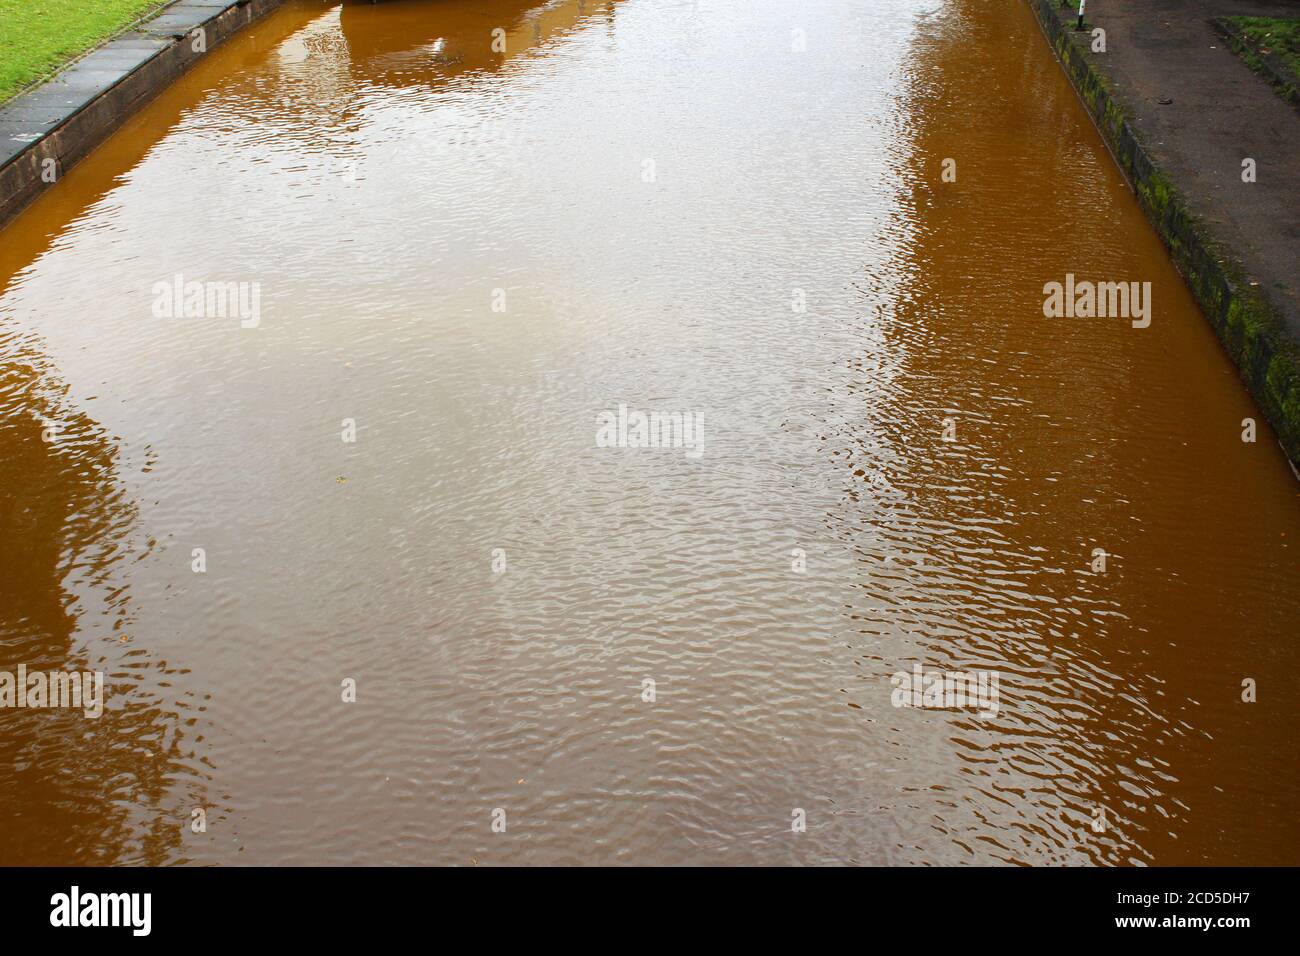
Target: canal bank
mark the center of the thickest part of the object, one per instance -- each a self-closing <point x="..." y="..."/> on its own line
<point x="47" y="130"/>
<point x="1182" y="117"/>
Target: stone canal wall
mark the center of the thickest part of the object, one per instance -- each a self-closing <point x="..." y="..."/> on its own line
<point x="1253" y="330"/>
<point x="46" y="131"/>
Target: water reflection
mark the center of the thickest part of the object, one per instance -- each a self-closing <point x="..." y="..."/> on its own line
<point x="977" y="554"/>
<point x="421" y="42"/>
<point x="116" y="788"/>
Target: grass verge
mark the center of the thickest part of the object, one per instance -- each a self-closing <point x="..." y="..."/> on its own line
<point x="37" y="37"/>
<point x="1270" y="46"/>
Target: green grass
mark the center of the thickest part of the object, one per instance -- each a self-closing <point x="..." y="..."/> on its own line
<point x="1072" y="12"/>
<point x="39" y="36"/>
<point x="1271" y="35"/>
<point x="1253" y="37"/>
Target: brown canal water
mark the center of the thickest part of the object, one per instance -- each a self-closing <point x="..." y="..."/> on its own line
<point x="471" y="255"/>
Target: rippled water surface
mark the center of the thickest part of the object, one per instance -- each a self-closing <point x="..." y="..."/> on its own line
<point x="472" y="254"/>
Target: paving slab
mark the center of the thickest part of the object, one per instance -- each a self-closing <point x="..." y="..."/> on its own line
<point x="183" y="17"/>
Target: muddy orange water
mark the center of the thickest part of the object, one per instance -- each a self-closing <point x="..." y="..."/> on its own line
<point x="735" y="210"/>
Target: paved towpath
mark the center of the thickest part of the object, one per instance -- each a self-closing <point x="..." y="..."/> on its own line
<point x="1220" y="112"/>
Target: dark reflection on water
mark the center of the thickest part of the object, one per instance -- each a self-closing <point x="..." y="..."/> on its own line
<point x="80" y="789"/>
<point x="411" y="43"/>
<point x="1120" y="691"/>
